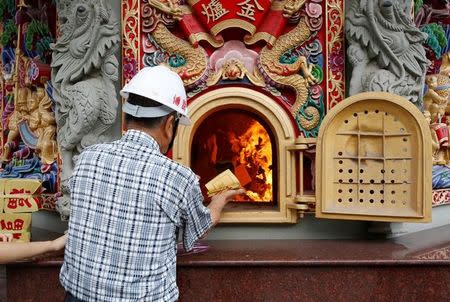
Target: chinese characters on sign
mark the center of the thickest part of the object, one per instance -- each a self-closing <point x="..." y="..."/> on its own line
<point x="214" y="10"/>
<point x="248" y="9"/>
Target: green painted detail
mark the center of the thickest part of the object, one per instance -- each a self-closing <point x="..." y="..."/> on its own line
<point x="9" y="32"/>
<point x="176" y="61"/>
<point x="417" y="6"/>
<point x="288" y="57"/>
<point x="10" y="98"/>
<point x="301" y="114"/>
<point x="7" y="6"/>
<point x="43" y="45"/>
<point x="317" y="73"/>
<point x="436" y="38"/>
<point x="38" y="37"/>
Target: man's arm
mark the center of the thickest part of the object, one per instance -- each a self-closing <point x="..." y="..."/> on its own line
<point x="11" y="251"/>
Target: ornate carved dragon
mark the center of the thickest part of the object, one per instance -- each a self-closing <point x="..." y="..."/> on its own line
<point x="190" y="62"/>
<point x="287" y="75"/>
<point x="385" y="49"/>
<point x="84" y="69"/>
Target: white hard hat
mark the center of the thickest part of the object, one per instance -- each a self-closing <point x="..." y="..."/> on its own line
<point x="162" y="85"/>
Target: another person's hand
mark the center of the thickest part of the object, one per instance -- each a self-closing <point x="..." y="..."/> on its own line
<point x="6" y="237"/>
<point x="52" y="248"/>
<point x="59" y="243"/>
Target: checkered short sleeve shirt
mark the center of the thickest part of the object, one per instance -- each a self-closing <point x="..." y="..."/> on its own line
<point x="128" y="203"/>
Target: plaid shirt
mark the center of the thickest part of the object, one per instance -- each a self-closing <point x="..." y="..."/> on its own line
<point x="128" y="203"/>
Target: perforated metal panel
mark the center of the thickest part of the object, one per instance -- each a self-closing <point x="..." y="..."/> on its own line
<point x="374" y="161"/>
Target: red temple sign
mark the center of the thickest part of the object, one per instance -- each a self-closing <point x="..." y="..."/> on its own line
<point x="217" y="15"/>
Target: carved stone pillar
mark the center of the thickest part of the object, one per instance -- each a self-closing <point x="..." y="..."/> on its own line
<point x="385" y="49"/>
<point x="84" y="69"/>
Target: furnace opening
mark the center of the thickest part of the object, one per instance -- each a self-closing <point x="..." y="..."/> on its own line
<point x="238" y="140"/>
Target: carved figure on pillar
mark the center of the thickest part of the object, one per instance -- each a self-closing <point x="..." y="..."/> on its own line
<point x="13" y="121"/>
<point x="33" y="109"/>
<point x="436" y="101"/>
<point x="84" y="69"/>
<point x="436" y="97"/>
<point x="46" y="146"/>
<point x="385" y="49"/>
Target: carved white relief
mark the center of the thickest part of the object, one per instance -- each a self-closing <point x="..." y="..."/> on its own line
<point x="84" y="69"/>
<point x="385" y="49"/>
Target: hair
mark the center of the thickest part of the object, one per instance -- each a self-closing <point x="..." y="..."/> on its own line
<point x="148" y="122"/>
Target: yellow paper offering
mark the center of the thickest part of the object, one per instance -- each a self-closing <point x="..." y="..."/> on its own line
<point x="21" y="237"/>
<point x="223" y="181"/>
<point x="18" y="195"/>
<point x="15" y="223"/>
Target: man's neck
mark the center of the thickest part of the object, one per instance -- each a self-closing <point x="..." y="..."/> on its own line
<point x="152" y="132"/>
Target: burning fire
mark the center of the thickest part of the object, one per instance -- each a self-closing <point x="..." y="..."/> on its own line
<point x="253" y="150"/>
<point x="235" y="140"/>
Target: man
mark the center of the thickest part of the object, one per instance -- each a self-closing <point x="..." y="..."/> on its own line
<point x="129" y="201"/>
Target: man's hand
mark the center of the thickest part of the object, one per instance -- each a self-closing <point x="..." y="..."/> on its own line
<point x="219" y="200"/>
<point x="227" y="195"/>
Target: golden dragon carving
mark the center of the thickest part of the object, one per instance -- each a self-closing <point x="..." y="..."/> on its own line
<point x="196" y="59"/>
<point x="287" y="75"/>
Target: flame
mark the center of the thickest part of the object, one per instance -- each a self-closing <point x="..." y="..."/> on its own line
<point x="254" y="150"/>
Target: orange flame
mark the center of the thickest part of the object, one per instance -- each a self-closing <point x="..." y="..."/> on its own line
<point x="254" y="150"/>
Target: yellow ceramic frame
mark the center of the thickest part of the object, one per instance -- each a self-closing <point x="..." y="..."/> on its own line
<point x="282" y="129"/>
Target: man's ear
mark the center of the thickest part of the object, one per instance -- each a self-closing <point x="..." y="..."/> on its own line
<point x="168" y="126"/>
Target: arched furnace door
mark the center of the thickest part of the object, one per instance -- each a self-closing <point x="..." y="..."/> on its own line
<point x="374" y="161"/>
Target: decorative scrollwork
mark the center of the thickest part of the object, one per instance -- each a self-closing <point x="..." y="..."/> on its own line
<point x="131" y="36"/>
<point x="335" y="52"/>
<point x="441" y="197"/>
